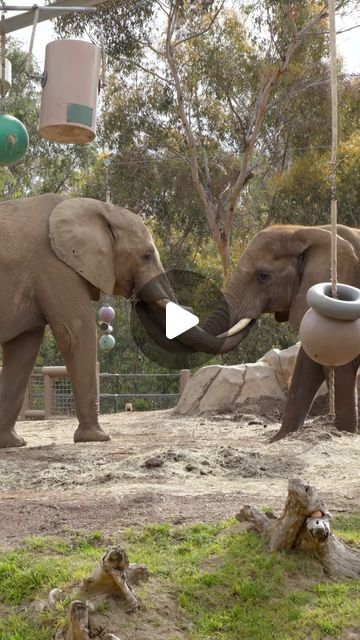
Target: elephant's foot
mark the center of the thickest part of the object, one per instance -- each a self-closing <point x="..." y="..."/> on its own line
<point x="350" y="427"/>
<point x="279" y="435"/>
<point x="90" y="434"/>
<point x="11" y="439"/>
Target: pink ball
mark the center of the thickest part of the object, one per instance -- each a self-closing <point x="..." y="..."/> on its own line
<point x="106" y="314"/>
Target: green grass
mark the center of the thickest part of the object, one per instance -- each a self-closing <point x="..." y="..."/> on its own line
<point x="227" y="583"/>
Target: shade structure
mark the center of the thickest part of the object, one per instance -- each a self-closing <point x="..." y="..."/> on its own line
<point x="14" y="139"/>
<point x="70" y="89"/>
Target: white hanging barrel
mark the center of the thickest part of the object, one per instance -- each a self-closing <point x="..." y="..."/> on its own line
<point x="69" y="95"/>
<point x="7" y="77"/>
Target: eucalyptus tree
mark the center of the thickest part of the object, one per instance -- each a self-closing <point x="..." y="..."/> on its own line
<point x="210" y="88"/>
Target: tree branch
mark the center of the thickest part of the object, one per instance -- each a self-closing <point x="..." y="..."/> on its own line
<point x="201" y="32"/>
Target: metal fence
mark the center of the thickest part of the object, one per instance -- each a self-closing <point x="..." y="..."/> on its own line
<point x="145" y="391"/>
<point x="49" y="393"/>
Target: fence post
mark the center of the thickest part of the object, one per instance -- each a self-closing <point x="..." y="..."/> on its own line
<point x="48" y="388"/>
<point x="185" y="375"/>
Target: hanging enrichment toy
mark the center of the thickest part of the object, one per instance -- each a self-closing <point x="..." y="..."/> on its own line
<point x="70" y="89"/>
<point x="330" y="329"/>
<point x="14" y="139"/>
<point x="106" y="315"/>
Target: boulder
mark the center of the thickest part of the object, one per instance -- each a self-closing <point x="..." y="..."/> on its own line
<point x="222" y="392"/>
<point x="260" y="380"/>
<point x="196" y="388"/>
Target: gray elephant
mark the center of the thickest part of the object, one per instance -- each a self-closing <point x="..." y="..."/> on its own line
<point x="273" y="276"/>
<point x="56" y="255"/>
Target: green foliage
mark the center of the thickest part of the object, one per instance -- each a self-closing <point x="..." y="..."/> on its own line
<point x="47" y="166"/>
<point x="305" y="190"/>
<point x="227" y="583"/>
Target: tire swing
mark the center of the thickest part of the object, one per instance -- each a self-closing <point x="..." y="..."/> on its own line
<point x="330" y="330"/>
<point x="14" y="138"/>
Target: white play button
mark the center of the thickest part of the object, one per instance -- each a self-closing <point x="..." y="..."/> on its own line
<point x="178" y="320"/>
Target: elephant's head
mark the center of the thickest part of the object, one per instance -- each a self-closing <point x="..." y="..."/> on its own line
<point x="275" y="272"/>
<point x="113" y="250"/>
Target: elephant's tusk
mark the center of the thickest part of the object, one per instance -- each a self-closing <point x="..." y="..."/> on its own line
<point x="239" y="326"/>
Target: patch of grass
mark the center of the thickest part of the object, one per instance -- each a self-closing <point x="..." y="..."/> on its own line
<point x="227" y="583"/>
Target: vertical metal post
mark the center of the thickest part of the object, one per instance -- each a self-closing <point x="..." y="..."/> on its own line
<point x="48" y="389"/>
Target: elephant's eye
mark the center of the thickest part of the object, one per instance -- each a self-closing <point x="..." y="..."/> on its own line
<point x="147" y="256"/>
<point x="263" y="277"/>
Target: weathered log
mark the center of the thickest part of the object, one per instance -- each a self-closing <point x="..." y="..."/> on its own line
<point x="115" y="575"/>
<point x="305" y="524"/>
<point x="78" y="621"/>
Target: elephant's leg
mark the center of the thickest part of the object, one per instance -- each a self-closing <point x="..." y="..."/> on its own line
<point x="78" y="347"/>
<point x="305" y="382"/>
<point x="346" y="409"/>
<point x="19" y="356"/>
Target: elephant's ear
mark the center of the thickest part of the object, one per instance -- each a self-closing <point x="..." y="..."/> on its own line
<point x="81" y="236"/>
<point x="312" y="247"/>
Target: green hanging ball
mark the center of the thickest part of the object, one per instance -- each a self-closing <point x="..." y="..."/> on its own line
<point x="106" y="342"/>
<point x="14" y="139"/>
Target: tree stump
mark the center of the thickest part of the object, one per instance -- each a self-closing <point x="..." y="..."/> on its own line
<point x="114" y="576"/>
<point x="78" y="621"/>
<point x="305" y="524"/>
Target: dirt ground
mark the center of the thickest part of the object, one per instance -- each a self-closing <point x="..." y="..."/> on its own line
<point x="161" y="467"/>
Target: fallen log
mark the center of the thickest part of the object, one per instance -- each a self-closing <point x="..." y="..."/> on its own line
<point x="305" y="524"/>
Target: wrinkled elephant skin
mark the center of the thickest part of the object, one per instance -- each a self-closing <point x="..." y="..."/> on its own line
<point x="56" y="255"/>
<point x="273" y="275"/>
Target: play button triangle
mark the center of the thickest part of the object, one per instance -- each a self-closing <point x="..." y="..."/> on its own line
<point x="178" y="320"/>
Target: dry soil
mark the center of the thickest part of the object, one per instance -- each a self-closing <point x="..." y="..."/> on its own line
<point x="159" y="467"/>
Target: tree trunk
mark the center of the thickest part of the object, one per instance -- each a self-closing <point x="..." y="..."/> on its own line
<point x="305" y="524"/>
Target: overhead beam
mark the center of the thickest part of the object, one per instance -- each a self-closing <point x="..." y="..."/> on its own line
<point x="61" y="8"/>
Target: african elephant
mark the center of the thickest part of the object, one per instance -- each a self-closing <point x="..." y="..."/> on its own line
<point x="56" y="255"/>
<point x="273" y="276"/>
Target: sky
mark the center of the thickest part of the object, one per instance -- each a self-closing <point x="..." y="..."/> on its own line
<point x="348" y="43"/>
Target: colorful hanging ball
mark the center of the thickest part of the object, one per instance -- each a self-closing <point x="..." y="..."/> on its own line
<point x="106" y="342"/>
<point x="14" y="139"/>
<point x="106" y="314"/>
<point x="104" y="326"/>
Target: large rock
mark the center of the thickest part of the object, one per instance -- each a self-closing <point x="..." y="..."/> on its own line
<point x="223" y="391"/>
<point x="283" y="363"/>
<point x="223" y="388"/>
<point x="196" y="388"/>
<point x="260" y="380"/>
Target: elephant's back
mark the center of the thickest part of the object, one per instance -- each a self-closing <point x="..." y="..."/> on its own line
<point x="24" y="225"/>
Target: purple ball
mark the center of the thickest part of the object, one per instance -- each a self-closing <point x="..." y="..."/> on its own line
<point x="106" y="314"/>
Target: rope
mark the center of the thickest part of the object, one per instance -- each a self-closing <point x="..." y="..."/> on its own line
<point x="2" y="45"/>
<point x="332" y="177"/>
